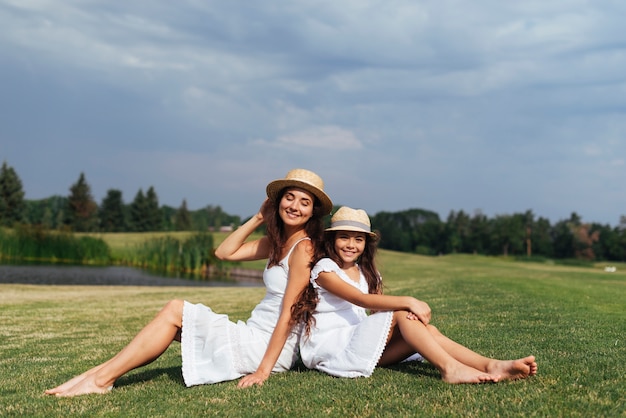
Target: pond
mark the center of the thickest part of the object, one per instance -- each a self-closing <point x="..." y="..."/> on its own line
<point x="113" y="276"/>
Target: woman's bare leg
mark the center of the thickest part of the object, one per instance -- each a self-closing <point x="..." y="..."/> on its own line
<point x="147" y="346"/>
<point x="410" y="336"/>
<point x="506" y="369"/>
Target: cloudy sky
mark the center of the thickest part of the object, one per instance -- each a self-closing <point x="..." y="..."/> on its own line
<point x="491" y="105"/>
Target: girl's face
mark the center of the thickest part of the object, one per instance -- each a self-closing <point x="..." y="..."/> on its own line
<point x="349" y="245"/>
<point x="296" y="206"/>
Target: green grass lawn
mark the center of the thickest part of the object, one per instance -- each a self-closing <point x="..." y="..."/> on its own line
<point x="572" y="319"/>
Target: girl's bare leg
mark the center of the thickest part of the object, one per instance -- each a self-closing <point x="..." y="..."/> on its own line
<point x="409" y="336"/>
<point x="506" y="369"/>
<point x="147" y="346"/>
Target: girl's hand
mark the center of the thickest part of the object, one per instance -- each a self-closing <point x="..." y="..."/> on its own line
<point x="419" y="310"/>
<point x="412" y="316"/>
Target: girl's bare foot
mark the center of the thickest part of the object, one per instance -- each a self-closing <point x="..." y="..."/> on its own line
<point x="465" y="374"/>
<point x="514" y="369"/>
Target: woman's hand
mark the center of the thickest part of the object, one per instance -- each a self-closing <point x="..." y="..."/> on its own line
<point x="420" y="311"/>
<point x="263" y="212"/>
<point x="256" y="378"/>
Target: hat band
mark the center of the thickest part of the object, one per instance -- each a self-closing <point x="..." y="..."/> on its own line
<point x="355" y="224"/>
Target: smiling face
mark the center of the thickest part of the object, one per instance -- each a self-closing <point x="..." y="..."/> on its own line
<point x="349" y="245"/>
<point x="296" y="207"/>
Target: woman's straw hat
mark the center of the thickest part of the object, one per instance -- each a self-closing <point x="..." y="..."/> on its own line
<point x="348" y="219"/>
<point x="303" y="179"/>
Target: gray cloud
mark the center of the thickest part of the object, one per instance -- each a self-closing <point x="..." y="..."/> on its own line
<point x="497" y="106"/>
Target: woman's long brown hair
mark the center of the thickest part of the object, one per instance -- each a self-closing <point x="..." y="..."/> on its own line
<point x="302" y="310"/>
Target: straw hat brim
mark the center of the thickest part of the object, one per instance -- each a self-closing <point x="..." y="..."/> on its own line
<point x="276" y="186"/>
<point x="352" y="229"/>
<point x="348" y="219"/>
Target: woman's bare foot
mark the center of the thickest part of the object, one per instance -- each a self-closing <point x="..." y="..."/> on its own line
<point x="65" y="386"/>
<point x="514" y="369"/>
<point x="73" y="381"/>
<point x="461" y="373"/>
<point x="82" y="386"/>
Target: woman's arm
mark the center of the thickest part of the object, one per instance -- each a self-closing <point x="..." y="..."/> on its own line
<point x="234" y="247"/>
<point x="299" y="273"/>
<point x="334" y="284"/>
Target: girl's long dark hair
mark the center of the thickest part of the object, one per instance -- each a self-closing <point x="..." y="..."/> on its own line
<point x="367" y="261"/>
<point x="302" y="311"/>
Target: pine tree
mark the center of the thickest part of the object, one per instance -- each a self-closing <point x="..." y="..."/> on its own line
<point x="154" y="218"/>
<point x="112" y="216"/>
<point x="11" y="196"/>
<point x="183" y="218"/>
<point x="138" y="213"/>
<point x="82" y="209"/>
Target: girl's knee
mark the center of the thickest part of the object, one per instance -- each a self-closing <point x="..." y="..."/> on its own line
<point x="399" y="316"/>
<point x="433" y="329"/>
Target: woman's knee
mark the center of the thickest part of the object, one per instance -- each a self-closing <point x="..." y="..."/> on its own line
<point x="173" y="310"/>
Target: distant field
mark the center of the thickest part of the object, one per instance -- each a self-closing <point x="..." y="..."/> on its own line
<point x="572" y="319"/>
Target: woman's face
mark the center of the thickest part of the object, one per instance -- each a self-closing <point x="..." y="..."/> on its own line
<point x="349" y="245"/>
<point x="296" y="206"/>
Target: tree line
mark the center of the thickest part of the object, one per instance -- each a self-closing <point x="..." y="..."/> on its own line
<point x="415" y="230"/>
<point x="520" y="234"/>
<point x="79" y="212"/>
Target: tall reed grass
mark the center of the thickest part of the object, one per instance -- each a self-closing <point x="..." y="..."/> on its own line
<point x="34" y="243"/>
<point x="166" y="253"/>
<point x="169" y="254"/>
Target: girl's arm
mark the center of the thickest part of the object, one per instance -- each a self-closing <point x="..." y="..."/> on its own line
<point x="299" y="273"/>
<point x="234" y="247"/>
<point x="334" y="284"/>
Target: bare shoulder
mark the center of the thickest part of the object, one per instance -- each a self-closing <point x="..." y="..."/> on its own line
<point x="303" y="250"/>
<point x="305" y="245"/>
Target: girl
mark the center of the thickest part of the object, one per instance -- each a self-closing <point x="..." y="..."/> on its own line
<point x="341" y="340"/>
<point x="213" y="348"/>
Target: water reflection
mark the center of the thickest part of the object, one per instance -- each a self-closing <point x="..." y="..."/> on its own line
<point x="113" y="276"/>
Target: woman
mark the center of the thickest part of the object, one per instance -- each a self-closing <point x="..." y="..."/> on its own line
<point x="343" y="341"/>
<point x="214" y="349"/>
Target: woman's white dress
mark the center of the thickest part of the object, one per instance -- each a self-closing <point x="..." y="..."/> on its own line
<point x="215" y="349"/>
<point x="345" y="341"/>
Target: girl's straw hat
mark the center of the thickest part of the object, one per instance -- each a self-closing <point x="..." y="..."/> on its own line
<point x="348" y="219"/>
<point x="303" y="179"/>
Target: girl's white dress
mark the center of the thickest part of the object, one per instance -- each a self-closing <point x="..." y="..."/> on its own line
<point x="215" y="349"/>
<point x="345" y="341"/>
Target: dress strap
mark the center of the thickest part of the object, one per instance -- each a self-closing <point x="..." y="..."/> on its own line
<point x="296" y="243"/>
<point x="294" y="246"/>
